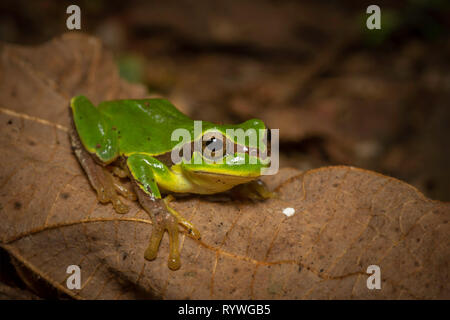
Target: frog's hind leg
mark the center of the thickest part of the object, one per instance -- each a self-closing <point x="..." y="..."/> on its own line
<point x="99" y="177"/>
<point x="95" y="144"/>
<point x="123" y="189"/>
<point x="144" y="171"/>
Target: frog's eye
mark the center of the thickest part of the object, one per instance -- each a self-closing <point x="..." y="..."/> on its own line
<point x="213" y="144"/>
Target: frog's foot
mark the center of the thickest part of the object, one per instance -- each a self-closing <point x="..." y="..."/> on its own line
<point x="181" y="220"/>
<point x="123" y="189"/>
<point x="99" y="177"/>
<point x="108" y="189"/>
<point x="166" y="218"/>
<point x="162" y="220"/>
<point x="254" y="190"/>
<point x="118" y="171"/>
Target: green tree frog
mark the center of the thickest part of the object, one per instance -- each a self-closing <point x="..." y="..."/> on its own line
<point x="134" y="139"/>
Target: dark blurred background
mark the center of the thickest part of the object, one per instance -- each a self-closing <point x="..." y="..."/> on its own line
<point x="338" y="92"/>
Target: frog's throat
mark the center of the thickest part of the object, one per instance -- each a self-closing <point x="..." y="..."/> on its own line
<point x="212" y="182"/>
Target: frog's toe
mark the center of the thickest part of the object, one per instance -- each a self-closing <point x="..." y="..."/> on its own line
<point x="152" y="250"/>
<point x="101" y="195"/>
<point x="174" y="262"/>
<point x="119" y="172"/>
<point x="106" y="191"/>
<point x="170" y="224"/>
<point x="119" y="206"/>
<point x="181" y="220"/>
<point x="124" y="190"/>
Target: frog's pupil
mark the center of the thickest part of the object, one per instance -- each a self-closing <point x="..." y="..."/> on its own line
<point x="210" y="141"/>
<point x="214" y="144"/>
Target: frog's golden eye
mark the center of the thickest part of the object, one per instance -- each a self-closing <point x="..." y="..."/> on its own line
<point x="213" y="146"/>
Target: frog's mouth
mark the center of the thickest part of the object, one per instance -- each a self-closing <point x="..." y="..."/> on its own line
<point x="213" y="182"/>
<point x="230" y="176"/>
<point x="234" y="172"/>
<point x="214" y="177"/>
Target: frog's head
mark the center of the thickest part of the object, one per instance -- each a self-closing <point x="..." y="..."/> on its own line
<point x="228" y="155"/>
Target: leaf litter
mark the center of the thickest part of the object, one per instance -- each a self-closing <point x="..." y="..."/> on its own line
<point x="345" y="218"/>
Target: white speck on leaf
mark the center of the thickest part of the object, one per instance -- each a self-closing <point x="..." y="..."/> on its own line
<point x="289" y="211"/>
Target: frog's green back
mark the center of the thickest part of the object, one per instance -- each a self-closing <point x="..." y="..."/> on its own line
<point x="145" y="125"/>
<point x="130" y="126"/>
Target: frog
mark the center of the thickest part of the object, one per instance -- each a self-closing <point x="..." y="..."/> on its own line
<point x="132" y="140"/>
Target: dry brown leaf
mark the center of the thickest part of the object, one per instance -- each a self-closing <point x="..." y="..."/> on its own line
<point x="9" y="293"/>
<point x="346" y="218"/>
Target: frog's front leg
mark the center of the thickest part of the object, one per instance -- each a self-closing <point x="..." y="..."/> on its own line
<point x="145" y="170"/>
<point x="162" y="220"/>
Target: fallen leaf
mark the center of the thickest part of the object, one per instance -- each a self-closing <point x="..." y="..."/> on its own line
<point x="10" y="293"/>
<point x="345" y="220"/>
